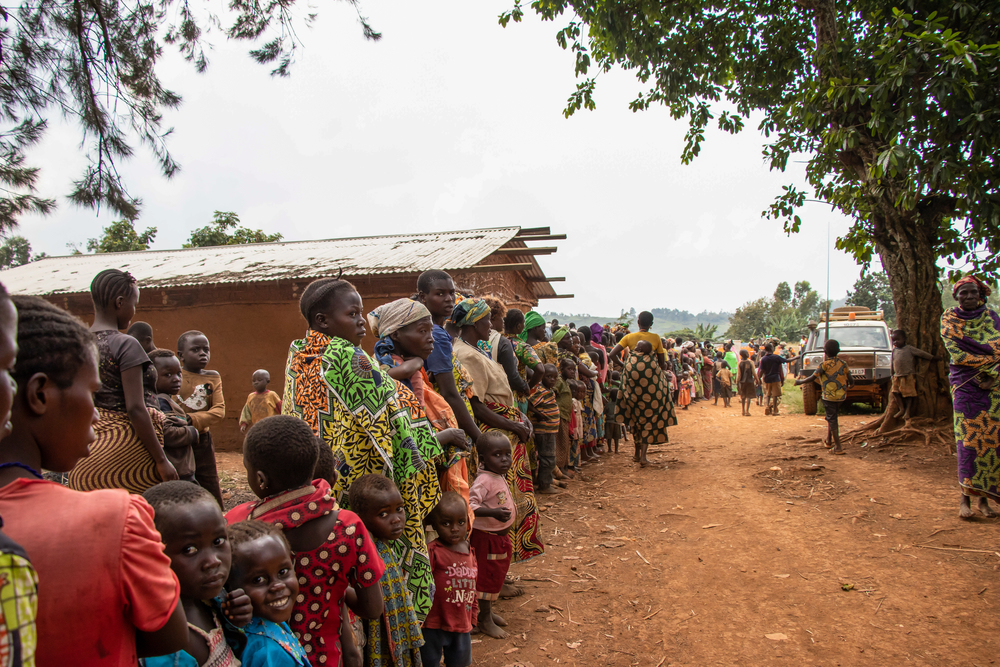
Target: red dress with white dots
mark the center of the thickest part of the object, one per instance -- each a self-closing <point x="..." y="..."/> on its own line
<point x="348" y="557"/>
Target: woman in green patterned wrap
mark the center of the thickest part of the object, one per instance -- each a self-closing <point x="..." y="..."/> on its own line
<point x="354" y="407"/>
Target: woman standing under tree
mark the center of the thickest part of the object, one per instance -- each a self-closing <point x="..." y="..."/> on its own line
<point x="971" y="335"/>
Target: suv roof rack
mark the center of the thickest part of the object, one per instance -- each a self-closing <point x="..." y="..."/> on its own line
<point x="852" y="313"/>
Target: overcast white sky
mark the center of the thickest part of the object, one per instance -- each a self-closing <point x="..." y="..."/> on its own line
<point x="452" y="122"/>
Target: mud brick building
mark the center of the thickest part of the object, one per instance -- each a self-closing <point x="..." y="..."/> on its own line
<point x="245" y="297"/>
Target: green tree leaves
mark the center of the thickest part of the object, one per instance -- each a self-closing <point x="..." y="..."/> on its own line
<point x="217" y="234"/>
<point x="785" y="316"/>
<point x="96" y="62"/>
<point x="894" y="103"/>
<point x="872" y="291"/>
<point x="121" y="236"/>
<point x="14" y="251"/>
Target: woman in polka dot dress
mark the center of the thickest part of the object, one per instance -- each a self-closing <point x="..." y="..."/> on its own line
<point x="332" y="548"/>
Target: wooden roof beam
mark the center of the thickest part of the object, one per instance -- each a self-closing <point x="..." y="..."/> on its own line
<point x="545" y="250"/>
<point x="542" y="237"/>
<point x="533" y="231"/>
<point x="500" y="268"/>
<point x="556" y="296"/>
<point x="546" y="280"/>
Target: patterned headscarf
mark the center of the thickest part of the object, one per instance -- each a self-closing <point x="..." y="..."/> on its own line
<point x="469" y="311"/>
<point x="559" y="334"/>
<point x="393" y="316"/>
<point x="984" y="289"/>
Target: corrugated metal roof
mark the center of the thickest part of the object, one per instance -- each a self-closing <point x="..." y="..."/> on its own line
<point x="259" y="262"/>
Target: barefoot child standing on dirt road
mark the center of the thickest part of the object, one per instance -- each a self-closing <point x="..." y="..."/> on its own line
<point x="493" y="504"/>
<point x="834" y="378"/>
<point x="904" y="372"/>
<point x="746" y="382"/>
<point x="545" y="418"/>
<point x="725" y="383"/>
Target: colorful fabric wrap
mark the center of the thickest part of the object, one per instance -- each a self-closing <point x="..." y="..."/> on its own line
<point x="559" y="334"/>
<point x="469" y="311"/>
<point x="118" y="459"/>
<point x="645" y="405"/>
<point x="984" y="290"/>
<point x="972" y="338"/>
<point x="352" y="405"/>
<point x="393" y="316"/>
<point x="393" y="639"/>
<point x="388" y="357"/>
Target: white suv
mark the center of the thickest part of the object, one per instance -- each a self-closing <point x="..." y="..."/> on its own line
<point x="865" y="345"/>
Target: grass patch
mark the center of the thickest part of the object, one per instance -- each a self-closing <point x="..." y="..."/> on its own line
<point x="791" y="403"/>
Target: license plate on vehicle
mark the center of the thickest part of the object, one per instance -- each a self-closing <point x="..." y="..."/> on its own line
<point x="858" y="371"/>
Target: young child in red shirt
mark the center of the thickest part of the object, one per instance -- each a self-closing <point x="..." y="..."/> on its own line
<point x="493" y="504"/>
<point x="448" y="626"/>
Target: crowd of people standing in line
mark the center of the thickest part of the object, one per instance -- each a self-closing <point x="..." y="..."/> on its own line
<point x="395" y="489"/>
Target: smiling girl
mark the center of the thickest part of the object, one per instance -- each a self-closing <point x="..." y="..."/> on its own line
<point x="262" y="567"/>
<point x="196" y="542"/>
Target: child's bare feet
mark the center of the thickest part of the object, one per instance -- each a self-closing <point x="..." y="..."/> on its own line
<point x="490" y="629"/>
<point x="499" y="620"/>
<point x="487" y="623"/>
<point x="510" y="590"/>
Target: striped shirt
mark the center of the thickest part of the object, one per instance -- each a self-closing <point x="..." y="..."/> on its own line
<point x="543" y="400"/>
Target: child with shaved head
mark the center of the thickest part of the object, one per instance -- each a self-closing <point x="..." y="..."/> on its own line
<point x="262" y="403"/>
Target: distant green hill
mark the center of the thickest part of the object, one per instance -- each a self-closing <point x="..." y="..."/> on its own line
<point x="664" y="319"/>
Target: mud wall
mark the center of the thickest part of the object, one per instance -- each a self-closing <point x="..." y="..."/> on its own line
<point x="248" y="326"/>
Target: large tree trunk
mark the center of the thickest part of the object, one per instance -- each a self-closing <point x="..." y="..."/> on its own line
<point x="907" y="250"/>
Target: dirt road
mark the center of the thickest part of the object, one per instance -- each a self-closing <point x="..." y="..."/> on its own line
<point x="735" y="547"/>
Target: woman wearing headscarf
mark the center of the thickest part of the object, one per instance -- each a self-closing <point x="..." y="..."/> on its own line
<point x="495" y="409"/>
<point x="502" y="350"/>
<point x="535" y="336"/>
<point x="595" y="345"/>
<point x="971" y="334"/>
<point x="405" y="340"/>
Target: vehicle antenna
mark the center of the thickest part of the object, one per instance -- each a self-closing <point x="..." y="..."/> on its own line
<point x="827" y="279"/>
